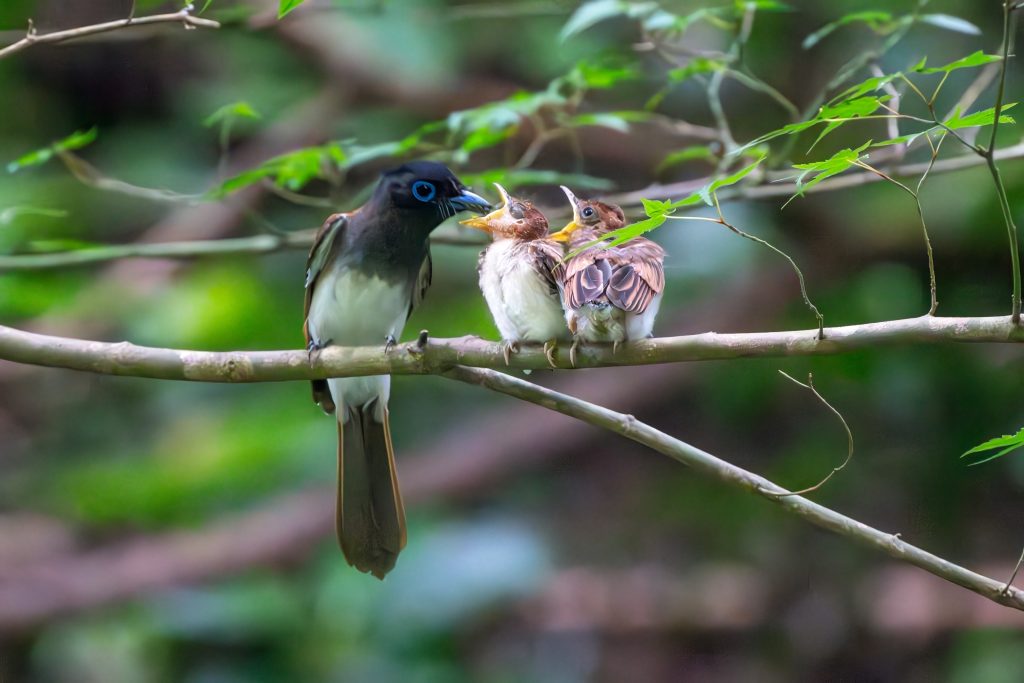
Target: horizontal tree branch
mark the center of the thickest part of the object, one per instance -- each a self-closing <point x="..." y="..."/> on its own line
<point x="710" y="466"/>
<point x="437" y="355"/>
<point x="183" y="16"/>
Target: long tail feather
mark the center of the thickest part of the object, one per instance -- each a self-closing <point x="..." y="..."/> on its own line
<point x="370" y="514"/>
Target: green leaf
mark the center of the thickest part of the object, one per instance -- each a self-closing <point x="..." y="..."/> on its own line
<point x="231" y="112"/>
<point x="625" y="234"/>
<point x="833" y="116"/>
<point x="76" y="140"/>
<point x="293" y="170"/>
<point x="287" y="6"/>
<point x="866" y="87"/>
<point x="8" y="215"/>
<point x="681" y="156"/>
<point x="978" y="58"/>
<point x="1006" y="444"/>
<point x="697" y="65"/>
<point x="985" y="117"/>
<point x="877" y="21"/>
<point x="950" y="23"/>
<point x="618" y="121"/>
<point x="761" y="6"/>
<point x="656" y="207"/>
<point x="821" y="170"/>
<point x="907" y="139"/>
<point x="590" y="13"/>
<point x="708" y="190"/>
<point x="599" y="75"/>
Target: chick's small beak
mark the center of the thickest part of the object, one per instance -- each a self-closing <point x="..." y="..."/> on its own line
<point x="487" y="223"/>
<point x="565" y="233"/>
<point x="575" y="202"/>
<point x="481" y="222"/>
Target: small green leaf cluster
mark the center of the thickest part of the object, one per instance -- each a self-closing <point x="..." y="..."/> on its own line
<point x="76" y="140"/>
<point x="1001" y="445"/>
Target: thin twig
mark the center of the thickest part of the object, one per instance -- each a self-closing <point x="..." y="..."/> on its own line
<point x="1013" y="576"/>
<point x="920" y="214"/>
<point x="89" y="175"/>
<point x="792" y="263"/>
<point x="183" y="16"/>
<point x="846" y="427"/>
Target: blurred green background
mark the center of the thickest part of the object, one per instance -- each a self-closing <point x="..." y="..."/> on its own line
<point x="160" y="531"/>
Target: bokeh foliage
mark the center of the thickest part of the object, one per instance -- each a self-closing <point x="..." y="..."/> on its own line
<point x="477" y="85"/>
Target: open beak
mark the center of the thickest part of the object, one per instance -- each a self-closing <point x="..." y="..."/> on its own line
<point x="486" y="223"/>
<point x="470" y="201"/>
<point x="565" y="233"/>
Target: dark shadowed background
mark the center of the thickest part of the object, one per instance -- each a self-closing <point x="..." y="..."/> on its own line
<point x="163" y="531"/>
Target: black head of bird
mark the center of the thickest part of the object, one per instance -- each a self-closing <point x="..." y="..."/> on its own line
<point x="514" y="219"/>
<point x="591" y="218"/>
<point x="425" y="194"/>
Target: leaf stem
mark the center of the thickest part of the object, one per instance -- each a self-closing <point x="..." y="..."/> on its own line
<point x="796" y="268"/>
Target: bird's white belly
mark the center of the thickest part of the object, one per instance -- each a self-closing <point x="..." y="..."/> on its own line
<point x="351" y="308"/>
<point x="641" y="325"/>
<point x="521" y="302"/>
<point x="600" y="323"/>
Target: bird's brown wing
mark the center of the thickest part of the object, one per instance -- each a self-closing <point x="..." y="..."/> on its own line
<point x="637" y="276"/>
<point x="327" y="240"/>
<point x="422" y="284"/>
<point x="546" y="256"/>
<point x="586" y="277"/>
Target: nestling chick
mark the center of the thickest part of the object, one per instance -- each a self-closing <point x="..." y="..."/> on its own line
<point x="609" y="295"/>
<point x="517" y="275"/>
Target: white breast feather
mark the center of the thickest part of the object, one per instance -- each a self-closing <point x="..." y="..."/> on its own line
<point x="521" y="302"/>
<point x="351" y="308"/>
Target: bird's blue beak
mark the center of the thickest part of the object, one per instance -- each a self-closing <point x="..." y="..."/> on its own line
<point x="470" y="201"/>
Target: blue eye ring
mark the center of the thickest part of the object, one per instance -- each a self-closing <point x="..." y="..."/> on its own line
<point x="424" y="191"/>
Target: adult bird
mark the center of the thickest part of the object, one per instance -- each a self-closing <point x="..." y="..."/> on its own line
<point x="366" y="272"/>
<point x="609" y="294"/>
<point x="517" y="275"/>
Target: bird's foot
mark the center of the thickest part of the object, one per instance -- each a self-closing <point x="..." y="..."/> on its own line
<point x="420" y="346"/>
<point x="509" y="347"/>
<point x="615" y="346"/>
<point x="389" y="343"/>
<point x="572" y="351"/>
<point x="313" y="350"/>
<point x="550" y="347"/>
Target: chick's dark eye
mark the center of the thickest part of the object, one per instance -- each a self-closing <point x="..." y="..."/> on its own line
<point x="516" y="211"/>
<point x="588" y="212"/>
<point x="423" y="190"/>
